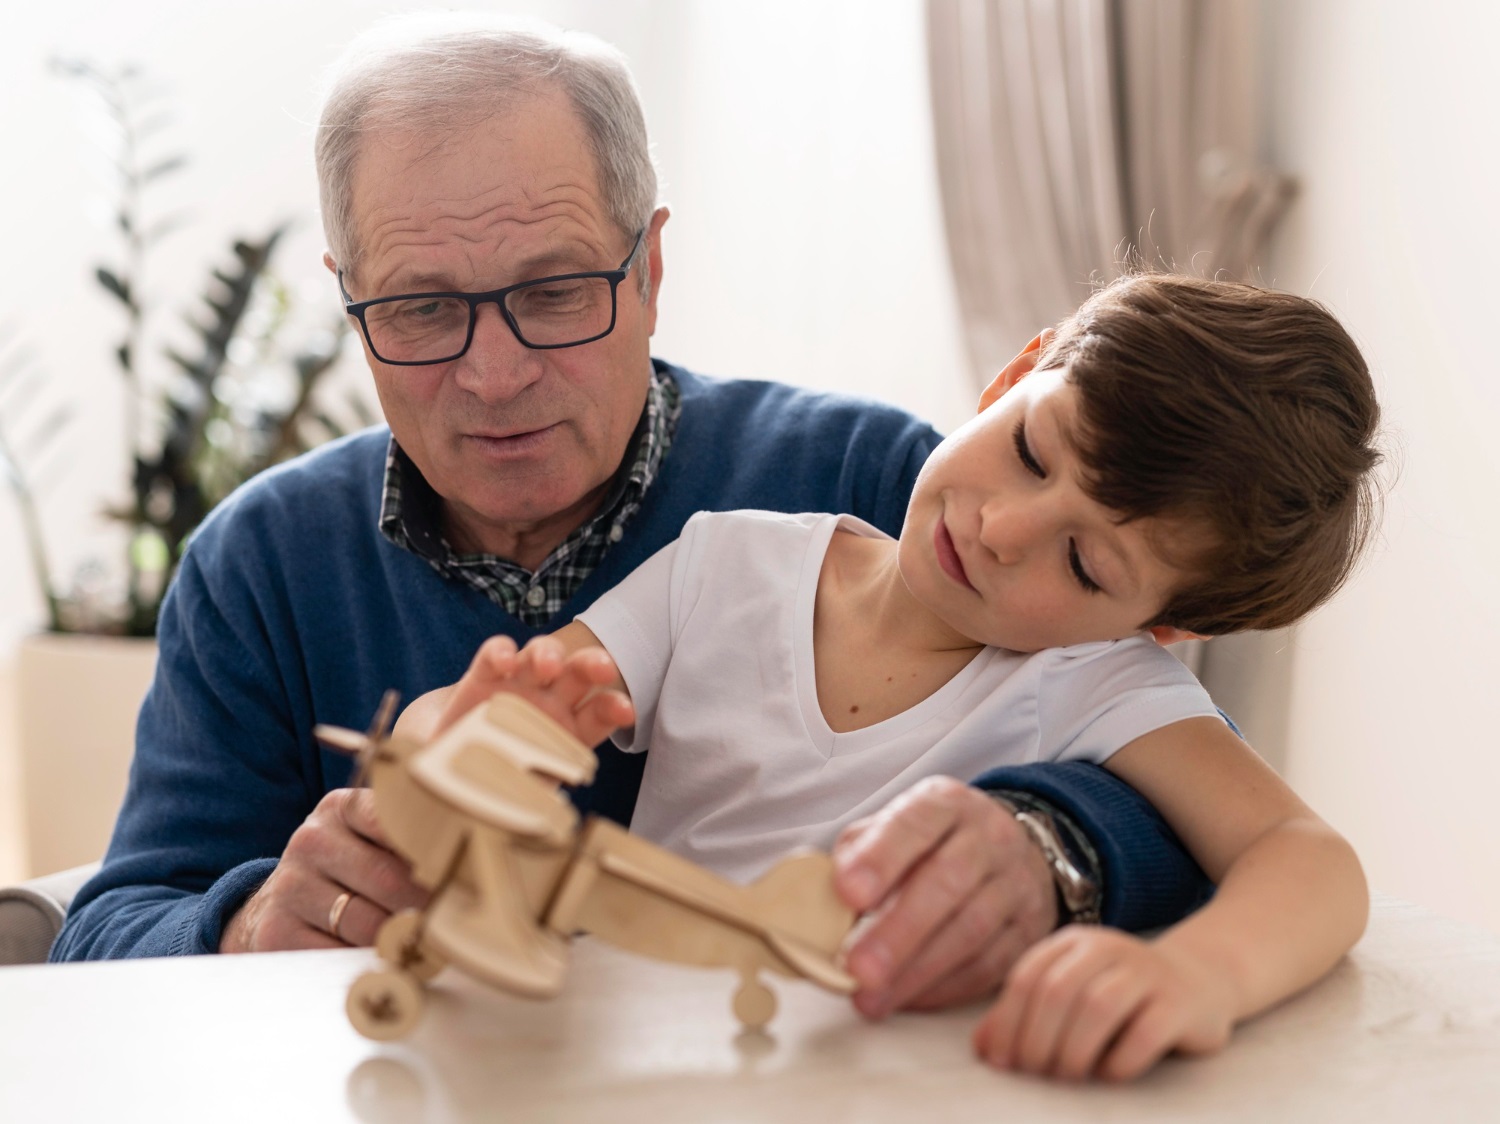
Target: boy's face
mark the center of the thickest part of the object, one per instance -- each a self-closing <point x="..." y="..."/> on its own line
<point x="1004" y="545"/>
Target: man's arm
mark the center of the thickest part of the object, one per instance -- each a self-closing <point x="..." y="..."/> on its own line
<point x="224" y="775"/>
<point x="1115" y="837"/>
<point x="203" y="822"/>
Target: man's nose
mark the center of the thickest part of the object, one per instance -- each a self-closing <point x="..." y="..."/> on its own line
<point x="497" y="365"/>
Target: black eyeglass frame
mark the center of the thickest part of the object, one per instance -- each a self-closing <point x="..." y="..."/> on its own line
<point x="357" y="309"/>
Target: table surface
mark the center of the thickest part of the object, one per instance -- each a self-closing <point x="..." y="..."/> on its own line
<point x="1406" y="1028"/>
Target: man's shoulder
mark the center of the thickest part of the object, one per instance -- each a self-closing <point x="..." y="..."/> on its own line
<point x="704" y="396"/>
<point x="322" y="488"/>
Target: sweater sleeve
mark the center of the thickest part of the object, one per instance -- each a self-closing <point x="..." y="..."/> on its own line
<point x="218" y="783"/>
<point x="1148" y="878"/>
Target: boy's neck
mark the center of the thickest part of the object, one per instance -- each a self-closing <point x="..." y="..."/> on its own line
<point x="877" y="652"/>
<point x="860" y="581"/>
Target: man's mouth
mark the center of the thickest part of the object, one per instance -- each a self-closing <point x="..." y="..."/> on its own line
<point x="519" y="443"/>
<point x="947" y="556"/>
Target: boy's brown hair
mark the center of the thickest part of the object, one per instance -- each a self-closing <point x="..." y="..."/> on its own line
<point x="1242" y="411"/>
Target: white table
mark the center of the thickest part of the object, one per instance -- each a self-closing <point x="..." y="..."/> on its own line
<point x="1407" y="1029"/>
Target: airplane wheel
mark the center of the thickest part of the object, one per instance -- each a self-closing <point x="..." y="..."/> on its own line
<point x="754" y="1004"/>
<point x="399" y="943"/>
<point x="384" y="1005"/>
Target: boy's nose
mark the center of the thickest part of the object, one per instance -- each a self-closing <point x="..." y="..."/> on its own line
<point x="1010" y="529"/>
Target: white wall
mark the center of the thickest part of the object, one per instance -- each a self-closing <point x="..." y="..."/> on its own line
<point x="1389" y="113"/>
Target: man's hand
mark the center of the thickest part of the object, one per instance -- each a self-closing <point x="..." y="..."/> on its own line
<point x="956" y="891"/>
<point x="338" y="848"/>
<point x="1091" y="1001"/>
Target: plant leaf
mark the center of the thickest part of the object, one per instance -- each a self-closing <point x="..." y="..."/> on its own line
<point x="163" y="167"/>
<point x="119" y="288"/>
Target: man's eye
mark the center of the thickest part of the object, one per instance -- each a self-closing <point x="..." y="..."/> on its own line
<point x="1076" y="564"/>
<point x="1024" y="452"/>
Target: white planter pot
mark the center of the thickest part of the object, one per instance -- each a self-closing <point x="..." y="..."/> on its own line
<point x="79" y="696"/>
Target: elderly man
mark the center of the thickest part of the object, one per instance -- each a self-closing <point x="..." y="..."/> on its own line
<point x="492" y="222"/>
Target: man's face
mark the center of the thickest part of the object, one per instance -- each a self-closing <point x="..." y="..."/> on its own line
<point x="1002" y="542"/>
<point x="521" y="444"/>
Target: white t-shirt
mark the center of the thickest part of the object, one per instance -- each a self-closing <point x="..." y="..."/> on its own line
<point x="714" y="638"/>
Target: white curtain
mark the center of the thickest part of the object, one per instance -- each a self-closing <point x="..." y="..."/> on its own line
<point x="1073" y="135"/>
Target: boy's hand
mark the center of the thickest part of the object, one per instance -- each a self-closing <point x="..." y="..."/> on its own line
<point x="575" y="689"/>
<point x="1093" y="1001"/>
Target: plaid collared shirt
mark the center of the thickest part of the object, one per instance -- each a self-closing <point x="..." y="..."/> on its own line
<point x="411" y="517"/>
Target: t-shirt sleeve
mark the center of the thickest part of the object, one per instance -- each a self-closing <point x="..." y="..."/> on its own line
<point x="637" y="623"/>
<point x="1095" y="699"/>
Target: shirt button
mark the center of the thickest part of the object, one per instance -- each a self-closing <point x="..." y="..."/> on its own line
<point x="535" y="596"/>
<point x="616" y="533"/>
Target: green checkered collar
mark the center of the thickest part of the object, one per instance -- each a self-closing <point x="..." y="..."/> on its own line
<point x="411" y="518"/>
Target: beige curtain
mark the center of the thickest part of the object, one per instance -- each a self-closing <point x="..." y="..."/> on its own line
<point x="1073" y="134"/>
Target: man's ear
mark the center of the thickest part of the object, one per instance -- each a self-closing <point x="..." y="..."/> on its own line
<point x="1016" y="370"/>
<point x="653" y="256"/>
<point x="1165" y="634"/>
<point x="333" y="266"/>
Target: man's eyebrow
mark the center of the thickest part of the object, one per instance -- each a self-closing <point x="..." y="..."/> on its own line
<point x="546" y="264"/>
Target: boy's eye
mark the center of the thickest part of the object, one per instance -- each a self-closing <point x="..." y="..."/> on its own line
<point x="1076" y="563"/>
<point x="1024" y="452"/>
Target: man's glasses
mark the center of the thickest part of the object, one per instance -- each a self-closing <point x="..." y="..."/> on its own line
<point x="420" y="328"/>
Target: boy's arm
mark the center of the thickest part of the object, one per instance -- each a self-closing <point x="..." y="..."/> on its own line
<point x="1292" y="897"/>
<point x="1292" y="900"/>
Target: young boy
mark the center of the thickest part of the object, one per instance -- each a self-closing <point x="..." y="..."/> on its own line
<point x="1179" y="458"/>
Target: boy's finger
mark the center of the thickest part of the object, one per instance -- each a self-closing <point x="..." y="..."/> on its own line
<point x="1052" y="1006"/>
<point x="601" y="715"/>
<point x="497" y="651"/>
<point x="1106" y="1005"/>
<point x="541" y="660"/>
<point x="1149" y="1033"/>
<point x="1002" y="1025"/>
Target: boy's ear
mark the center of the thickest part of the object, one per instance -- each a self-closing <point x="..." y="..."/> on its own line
<point x="1165" y="634"/>
<point x="1017" y="369"/>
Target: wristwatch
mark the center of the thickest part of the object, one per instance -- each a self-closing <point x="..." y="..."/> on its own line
<point x="1078" y="896"/>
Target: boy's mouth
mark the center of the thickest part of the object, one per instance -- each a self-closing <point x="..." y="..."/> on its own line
<point x="947" y="556"/>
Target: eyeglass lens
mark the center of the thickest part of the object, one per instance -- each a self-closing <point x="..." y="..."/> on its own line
<point x="547" y="314"/>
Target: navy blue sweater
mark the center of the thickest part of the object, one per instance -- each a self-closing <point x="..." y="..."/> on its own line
<point x="291" y="609"/>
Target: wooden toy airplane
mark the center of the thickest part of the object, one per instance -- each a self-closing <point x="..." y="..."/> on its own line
<point x="480" y="815"/>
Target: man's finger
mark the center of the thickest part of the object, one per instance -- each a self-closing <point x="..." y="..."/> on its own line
<point x="900" y="836"/>
<point x="977" y="978"/>
<point x="934" y="892"/>
<point x="355" y="808"/>
<point x="972" y="934"/>
<point x="358" y="922"/>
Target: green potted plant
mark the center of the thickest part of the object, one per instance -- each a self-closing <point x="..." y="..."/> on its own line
<point x="199" y="419"/>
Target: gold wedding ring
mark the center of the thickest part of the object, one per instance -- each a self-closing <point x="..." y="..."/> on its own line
<point x="336" y="913"/>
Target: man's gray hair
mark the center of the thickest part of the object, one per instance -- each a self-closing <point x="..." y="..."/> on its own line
<point x="444" y="72"/>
